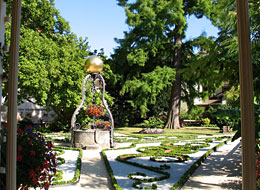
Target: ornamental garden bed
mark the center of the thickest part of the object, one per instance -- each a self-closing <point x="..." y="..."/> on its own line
<point x="152" y="161"/>
<point x="68" y="159"/>
<point x="69" y="165"/>
<point x="158" y="165"/>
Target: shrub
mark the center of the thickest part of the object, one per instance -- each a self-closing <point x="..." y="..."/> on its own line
<point x="209" y="113"/>
<point x="36" y="161"/>
<point x="227" y="116"/>
<point x="195" y="113"/>
<point x="57" y="125"/>
<point x="258" y="162"/>
<point x="153" y="122"/>
<point x="205" y="121"/>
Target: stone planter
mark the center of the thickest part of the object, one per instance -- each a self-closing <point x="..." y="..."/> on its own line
<point x="91" y="139"/>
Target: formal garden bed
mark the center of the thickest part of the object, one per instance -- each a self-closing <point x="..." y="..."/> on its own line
<point x="69" y="165"/>
<point x="160" y="162"/>
<point x="149" y="160"/>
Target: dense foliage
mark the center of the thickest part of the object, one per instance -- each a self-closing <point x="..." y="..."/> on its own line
<point x="221" y="54"/>
<point x="224" y="15"/>
<point x="149" y="63"/>
<point x="51" y="60"/>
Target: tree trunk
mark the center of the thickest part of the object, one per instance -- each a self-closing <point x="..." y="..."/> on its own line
<point x="173" y="116"/>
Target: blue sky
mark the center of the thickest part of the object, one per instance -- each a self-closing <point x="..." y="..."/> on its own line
<point x="103" y="20"/>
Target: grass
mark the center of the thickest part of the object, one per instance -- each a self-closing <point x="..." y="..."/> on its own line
<point x="185" y="131"/>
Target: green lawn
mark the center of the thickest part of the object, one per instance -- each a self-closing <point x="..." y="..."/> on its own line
<point x="185" y="131"/>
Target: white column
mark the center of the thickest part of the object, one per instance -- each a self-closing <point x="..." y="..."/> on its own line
<point x="246" y="97"/>
<point x="12" y="97"/>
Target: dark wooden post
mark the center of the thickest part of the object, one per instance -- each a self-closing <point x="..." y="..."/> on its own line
<point x="12" y="97"/>
<point x="246" y="97"/>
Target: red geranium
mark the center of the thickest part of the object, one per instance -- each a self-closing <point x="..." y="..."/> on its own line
<point x="103" y="124"/>
<point x="95" y="110"/>
<point x="35" y="158"/>
<point x="258" y="161"/>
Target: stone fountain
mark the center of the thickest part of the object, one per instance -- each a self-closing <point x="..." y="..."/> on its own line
<point x="94" y="137"/>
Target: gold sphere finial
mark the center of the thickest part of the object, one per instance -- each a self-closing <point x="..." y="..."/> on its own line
<point x="94" y="64"/>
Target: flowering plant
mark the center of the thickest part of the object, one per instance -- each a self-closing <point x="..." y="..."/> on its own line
<point x="258" y="162"/>
<point x="103" y="124"/>
<point x="95" y="110"/>
<point x="151" y="131"/>
<point x="36" y="161"/>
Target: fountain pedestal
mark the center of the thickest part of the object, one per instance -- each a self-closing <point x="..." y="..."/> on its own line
<point x="92" y="139"/>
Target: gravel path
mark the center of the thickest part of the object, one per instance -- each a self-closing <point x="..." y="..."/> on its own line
<point x="94" y="174"/>
<point x="221" y="170"/>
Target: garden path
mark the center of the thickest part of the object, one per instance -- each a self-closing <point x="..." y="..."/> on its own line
<point x="221" y="170"/>
<point x="93" y="175"/>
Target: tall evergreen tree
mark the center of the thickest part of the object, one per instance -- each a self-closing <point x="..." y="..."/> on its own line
<point x="155" y="41"/>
